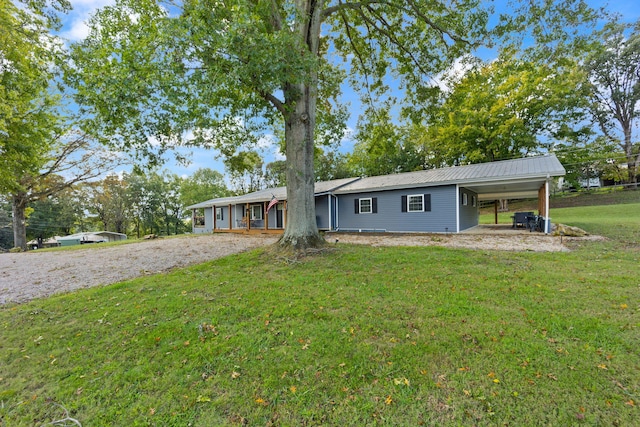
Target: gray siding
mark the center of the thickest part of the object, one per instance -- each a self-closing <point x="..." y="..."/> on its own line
<point x="468" y="212"/>
<point x="208" y="223"/>
<point x="322" y="212"/>
<point x="390" y="217"/>
<point x="224" y="223"/>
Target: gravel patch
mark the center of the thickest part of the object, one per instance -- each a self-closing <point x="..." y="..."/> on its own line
<point x="34" y="274"/>
<point x="515" y="242"/>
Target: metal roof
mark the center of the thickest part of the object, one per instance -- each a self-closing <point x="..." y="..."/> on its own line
<point x="265" y="195"/>
<point x="525" y="169"/>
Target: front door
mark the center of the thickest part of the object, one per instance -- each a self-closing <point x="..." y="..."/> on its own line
<point x="279" y="215"/>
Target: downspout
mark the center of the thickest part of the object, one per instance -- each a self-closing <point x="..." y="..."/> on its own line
<point x="329" y="202"/>
<point x="337" y="214"/>
<point x="457" y="208"/>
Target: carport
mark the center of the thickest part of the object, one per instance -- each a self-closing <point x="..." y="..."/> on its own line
<point x="520" y="180"/>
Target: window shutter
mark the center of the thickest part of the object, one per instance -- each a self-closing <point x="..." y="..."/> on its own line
<point x="404" y="203"/>
<point x="427" y="202"/>
<point x="221" y="214"/>
<point x="357" y="205"/>
<point x="374" y="205"/>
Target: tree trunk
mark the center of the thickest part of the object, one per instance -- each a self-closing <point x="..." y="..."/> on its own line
<point x="301" y="231"/>
<point x="632" y="160"/>
<point x="18" y="208"/>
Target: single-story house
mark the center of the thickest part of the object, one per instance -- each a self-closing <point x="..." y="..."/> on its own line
<point x="441" y="200"/>
<point x="90" y="237"/>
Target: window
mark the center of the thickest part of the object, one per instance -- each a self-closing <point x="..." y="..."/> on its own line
<point x="198" y="218"/>
<point x="415" y="203"/>
<point x="465" y="199"/>
<point x="365" y="206"/>
<point x="256" y="211"/>
<point x="219" y="214"/>
<point x="474" y="201"/>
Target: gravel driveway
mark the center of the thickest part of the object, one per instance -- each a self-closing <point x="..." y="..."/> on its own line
<point x="34" y="274"/>
<point x="25" y="276"/>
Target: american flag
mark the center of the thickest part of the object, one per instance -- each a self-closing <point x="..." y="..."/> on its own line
<point x="273" y="201"/>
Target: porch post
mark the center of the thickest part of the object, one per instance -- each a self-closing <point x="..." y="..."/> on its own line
<point x="495" y="211"/>
<point x="230" y="215"/>
<point x="266" y="216"/>
<point x="248" y="217"/>
<point x="214" y="218"/>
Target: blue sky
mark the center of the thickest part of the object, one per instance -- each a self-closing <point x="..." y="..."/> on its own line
<point x="75" y="29"/>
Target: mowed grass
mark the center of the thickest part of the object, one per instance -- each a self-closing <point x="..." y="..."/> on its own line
<point x="353" y="336"/>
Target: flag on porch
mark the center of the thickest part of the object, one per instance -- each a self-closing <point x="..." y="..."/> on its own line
<point x="273" y="201"/>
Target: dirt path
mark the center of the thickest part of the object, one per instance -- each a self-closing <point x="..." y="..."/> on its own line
<point x="25" y="276"/>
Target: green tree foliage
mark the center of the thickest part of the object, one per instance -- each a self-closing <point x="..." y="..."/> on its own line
<point x="245" y="171"/>
<point x="109" y="202"/>
<point x="331" y="165"/>
<point x="6" y="234"/>
<point x="56" y="215"/>
<point x="275" y="174"/>
<point x="613" y="66"/>
<point x="203" y="184"/>
<point x="507" y="109"/>
<point x="383" y="146"/>
<point x="28" y="110"/>
<point x="28" y="115"/>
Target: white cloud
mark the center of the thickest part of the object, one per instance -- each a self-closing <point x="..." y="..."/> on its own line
<point x="458" y="69"/>
<point x="75" y="26"/>
<point x="77" y="30"/>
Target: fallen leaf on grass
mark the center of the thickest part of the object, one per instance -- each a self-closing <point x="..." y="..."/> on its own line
<point x="630" y="402"/>
<point x="235" y="374"/>
<point x="401" y="381"/>
<point x="603" y="366"/>
<point x="202" y="399"/>
<point x="388" y="400"/>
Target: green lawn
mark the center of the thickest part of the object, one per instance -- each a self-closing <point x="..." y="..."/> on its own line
<point x="354" y="336"/>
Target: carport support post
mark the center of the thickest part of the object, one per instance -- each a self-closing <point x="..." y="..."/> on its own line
<point x="495" y="211"/>
<point x="547" y="225"/>
<point x="543" y="205"/>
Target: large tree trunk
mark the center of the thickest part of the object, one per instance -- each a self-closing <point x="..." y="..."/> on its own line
<point x="18" y="208"/>
<point x="632" y="159"/>
<point x="301" y="230"/>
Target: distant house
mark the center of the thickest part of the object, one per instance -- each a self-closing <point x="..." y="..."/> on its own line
<point x="90" y="237"/>
<point x="437" y="200"/>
